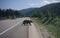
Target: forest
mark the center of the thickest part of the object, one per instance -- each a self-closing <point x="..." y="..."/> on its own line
<point x="9" y="13"/>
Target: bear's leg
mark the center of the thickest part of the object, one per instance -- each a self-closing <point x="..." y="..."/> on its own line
<point x="30" y="24"/>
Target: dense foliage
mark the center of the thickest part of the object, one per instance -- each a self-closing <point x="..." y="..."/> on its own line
<point x="49" y="13"/>
<point x="9" y="13"/>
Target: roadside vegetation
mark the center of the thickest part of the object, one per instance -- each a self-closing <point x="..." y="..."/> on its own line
<point x="9" y="14"/>
<point x="51" y="29"/>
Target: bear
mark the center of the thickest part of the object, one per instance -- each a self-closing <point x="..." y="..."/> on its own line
<point x="27" y="22"/>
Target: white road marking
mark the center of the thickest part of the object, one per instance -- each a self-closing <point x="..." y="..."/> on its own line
<point x="9" y="28"/>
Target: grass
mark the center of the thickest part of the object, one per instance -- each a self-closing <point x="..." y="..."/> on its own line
<point x="51" y="29"/>
<point x="3" y="18"/>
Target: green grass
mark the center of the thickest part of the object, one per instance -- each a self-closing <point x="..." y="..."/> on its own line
<point x="51" y="29"/>
<point x="3" y="18"/>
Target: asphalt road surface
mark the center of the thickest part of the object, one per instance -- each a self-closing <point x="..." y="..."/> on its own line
<point x="14" y="29"/>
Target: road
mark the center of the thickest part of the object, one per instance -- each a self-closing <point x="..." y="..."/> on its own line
<point x="14" y="29"/>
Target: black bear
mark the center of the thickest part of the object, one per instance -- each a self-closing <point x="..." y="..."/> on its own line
<point x="27" y="22"/>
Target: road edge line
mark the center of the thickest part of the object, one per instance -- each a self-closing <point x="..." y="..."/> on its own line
<point x="9" y="28"/>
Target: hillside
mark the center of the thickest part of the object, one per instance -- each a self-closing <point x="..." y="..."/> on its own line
<point x="49" y="17"/>
<point x="51" y="9"/>
<point x="28" y="10"/>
